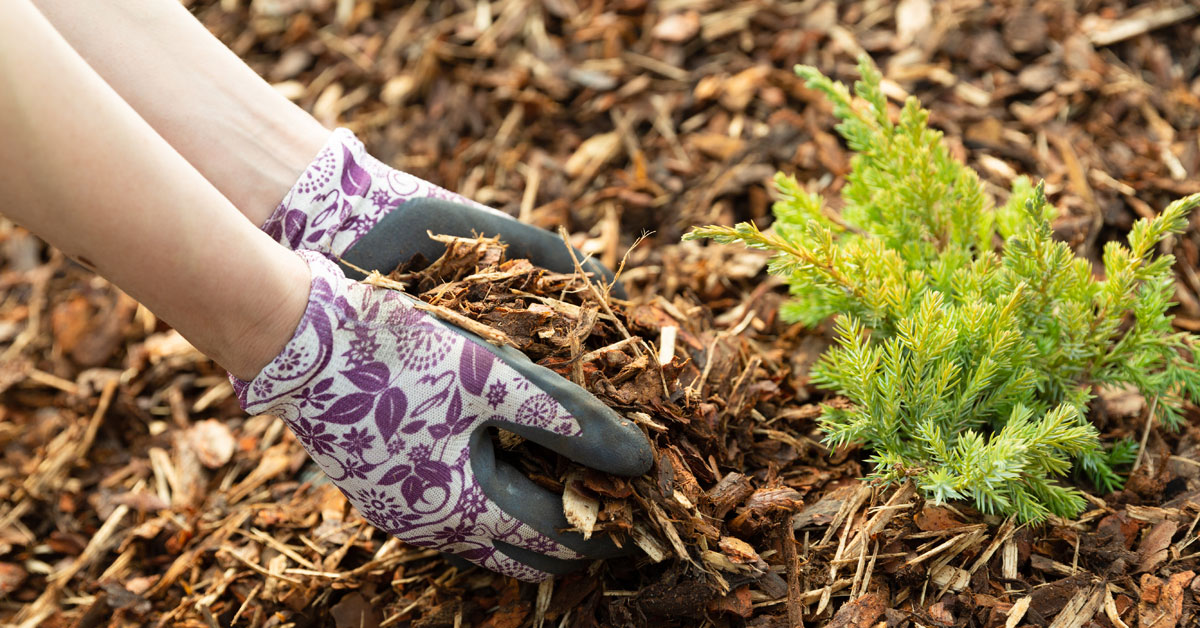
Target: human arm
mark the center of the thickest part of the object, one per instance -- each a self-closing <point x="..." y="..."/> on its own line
<point x="83" y="171"/>
<point x="248" y="140"/>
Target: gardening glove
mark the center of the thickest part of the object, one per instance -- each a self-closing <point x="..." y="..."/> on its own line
<point x="396" y="405"/>
<point x="352" y="207"/>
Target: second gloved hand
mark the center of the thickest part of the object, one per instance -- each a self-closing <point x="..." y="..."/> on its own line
<point x="350" y="206"/>
<point x="395" y="407"/>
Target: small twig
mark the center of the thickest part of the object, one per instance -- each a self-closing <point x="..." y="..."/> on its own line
<point x="1145" y="435"/>
<point x="89" y="436"/>
<point x="533" y="181"/>
<point x="490" y="334"/>
<point x="246" y="603"/>
<point x="916" y="560"/>
<point x="279" y="546"/>
<point x="593" y="355"/>
<point x="1075" y="559"/>
<point x="708" y="362"/>
<point x="1003" y="534"/>
<point x="601" y="297"/>
<point x="1138" y="22"/>
<point x="624" y="258"/>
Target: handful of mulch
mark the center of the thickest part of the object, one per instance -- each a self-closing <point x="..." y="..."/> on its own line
<point x="731" y="449"/>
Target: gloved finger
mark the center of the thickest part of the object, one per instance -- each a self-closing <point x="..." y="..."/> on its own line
<point x="504" y="564"/>
<point x="401" y="234"/>
<point x="510" y="560"/>
<point x="530" y="559"/>
<point x="532" y="526"/>
<point x="566" y="418"/>
<point x="604" y="440"/>
<point x="492" y="524"/>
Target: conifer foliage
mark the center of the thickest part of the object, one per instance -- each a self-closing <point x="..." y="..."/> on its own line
<point x="967" y="338"/>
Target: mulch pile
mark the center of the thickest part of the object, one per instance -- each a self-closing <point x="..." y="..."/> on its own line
<point x="135" y="492"/>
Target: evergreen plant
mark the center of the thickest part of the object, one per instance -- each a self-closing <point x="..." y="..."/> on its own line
<point x="968" y="339"/>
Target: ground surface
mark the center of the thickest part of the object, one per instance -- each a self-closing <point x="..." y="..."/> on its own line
<point x="135" y="492"/>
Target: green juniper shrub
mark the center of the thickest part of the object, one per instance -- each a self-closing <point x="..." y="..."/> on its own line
<point x="970" y="369"/>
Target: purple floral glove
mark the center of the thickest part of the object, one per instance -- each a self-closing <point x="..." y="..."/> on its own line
<point x="345" y="192"/>
<point x="394" y="406"/>
<point x="351" y="207"/>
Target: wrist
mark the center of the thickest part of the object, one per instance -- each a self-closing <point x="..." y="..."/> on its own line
<point x="276" y="153"/>
<point x="271" y="313"/>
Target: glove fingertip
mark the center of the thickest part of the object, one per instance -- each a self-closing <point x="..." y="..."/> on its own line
<point x="532" y="566"/>
<point x="607" y="441"/>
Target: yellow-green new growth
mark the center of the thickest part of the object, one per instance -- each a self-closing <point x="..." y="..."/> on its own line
<point x="970" y="370"/>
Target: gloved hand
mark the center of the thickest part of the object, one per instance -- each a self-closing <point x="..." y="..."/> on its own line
<point x="351" y="206"/>
<point x="395" y="405"/>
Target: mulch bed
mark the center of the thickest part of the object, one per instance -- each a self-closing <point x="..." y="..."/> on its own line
<point x="135" y="492"/>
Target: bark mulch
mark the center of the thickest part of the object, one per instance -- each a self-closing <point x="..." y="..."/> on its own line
<point x="135" y="492"/>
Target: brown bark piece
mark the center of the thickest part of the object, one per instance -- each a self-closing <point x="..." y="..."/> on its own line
<point x="826" y="508"/>
<point x="861" y="613"/>
<point x="1118" y="526"/>
<point x="509" y="616"/>
<point x="791" y="561"/>
<point x="668" y="598"/>
<point x="1153" y="550"/>
<point x="212" y="442"/>
<point x="934" y="518"/>
<point x="730" y="492"/>
<point x="1162" y="605"/>
<point x="354" y="611"/>
<point x="737" y="602"/>
<point x="11" y="577"/>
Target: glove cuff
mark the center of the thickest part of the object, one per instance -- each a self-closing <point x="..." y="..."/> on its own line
<point x="309" y="350"/>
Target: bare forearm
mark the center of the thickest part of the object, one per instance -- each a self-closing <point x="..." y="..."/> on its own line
<point x="81" y="169"/>
<point x="242" y="135"/>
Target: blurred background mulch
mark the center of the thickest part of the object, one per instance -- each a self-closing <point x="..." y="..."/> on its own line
<point x="135" y="492"/>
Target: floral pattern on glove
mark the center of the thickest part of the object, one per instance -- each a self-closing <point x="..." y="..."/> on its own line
<point x="342" y="194"/>
<point x="385" y="398"/>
